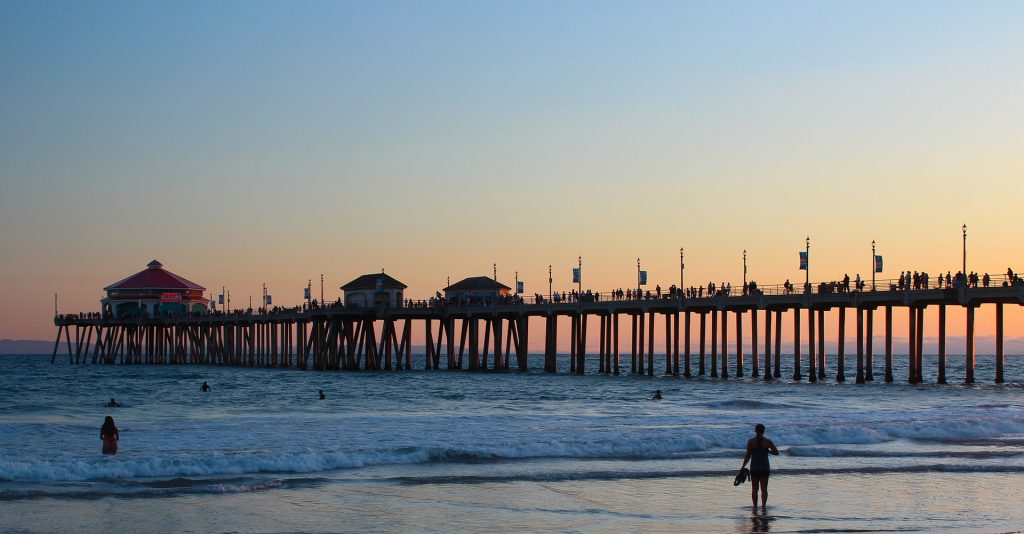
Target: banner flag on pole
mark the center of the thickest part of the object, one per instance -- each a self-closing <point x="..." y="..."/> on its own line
<point x="803" y="261"/>
<point x="269" y="300"/>
<point x="575" y="275"/>
<point x="305" y="293"/>
<point x="878" y="264"/>
<point x="643" y="278"/>
<point x="220" y="298"/>
<point x="519" y="287"/>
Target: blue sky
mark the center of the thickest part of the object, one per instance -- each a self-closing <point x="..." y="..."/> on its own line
<point x="243" y="142"/>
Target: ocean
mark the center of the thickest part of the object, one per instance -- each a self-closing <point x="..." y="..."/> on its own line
<point x="444" y="451"/>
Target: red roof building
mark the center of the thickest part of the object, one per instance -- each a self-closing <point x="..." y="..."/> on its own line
<point x="154" y="292"/>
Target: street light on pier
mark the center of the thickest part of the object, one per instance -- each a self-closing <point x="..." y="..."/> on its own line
<point x="549" y="283"/>
<point x="638" y="278"/>
<point x="874" y="261"/>
<point x="964" y="228"/>
<point x="681" y="267"/>
<point x="807" y="272"/>
<point x="744" y="271"/>
<point x="579" y="281"/>
<point x="495" y="272"/>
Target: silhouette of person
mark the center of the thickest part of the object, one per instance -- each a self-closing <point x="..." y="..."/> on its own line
<point x="758" y="449"/>
<point x="109" y="435"/>
<point x="205" y="388"/>
<point x="113" y="404"/>
<point x="657" y="395"/>
<point x="322" y="396"/>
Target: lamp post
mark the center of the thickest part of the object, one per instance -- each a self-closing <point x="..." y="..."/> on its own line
<point x="744" y="271"/>
<point x="681" y="267"/>
<point x="549" y="283"/>
<point x="517" y="284"/>
<point x="874" y="260"/>
<point x="807" y="272"/>
<point x="638" y="279"/>
<point x="579" y="281"/>
<point x="964" y="228"/>
<point x="495" y="266"/>
<point x="321" y="289"/>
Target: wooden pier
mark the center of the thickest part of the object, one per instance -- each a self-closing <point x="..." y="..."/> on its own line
<point x="481" y="337"/>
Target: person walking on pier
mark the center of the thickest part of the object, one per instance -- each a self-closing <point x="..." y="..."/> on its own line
<point x="109" y="435"/>
<point x="758" y="449"/>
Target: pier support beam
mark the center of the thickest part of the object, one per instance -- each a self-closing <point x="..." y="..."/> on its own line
<point x="703" y="330"/>
<point x="919" y="361"/>
<point x="969" y="352"/>
<point x="888" y="344"/>
<point x="615" y="343"/>
<point x="869" y="358"/>
<point x="912" y="346"/>
<point x="756" y="371"/>
<point x="767" y="345"/>
<point x="778" y="344"/>
<point x="812" y="372"/>
<point x="841" y="347"/>
<point x="942" y="344"/>
<point x="797" y="374"/>
<point x="686" y="345"/>
<point x="725" y="343"/>
<point x="860" y="346"/>
<point x="821" y="345"/>
<point x="714" y="344"/>
<point x="999" y="343"/>
<point x="739" y="344"/>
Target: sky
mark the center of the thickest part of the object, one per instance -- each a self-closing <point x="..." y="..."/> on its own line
<point x="242" y="143"/>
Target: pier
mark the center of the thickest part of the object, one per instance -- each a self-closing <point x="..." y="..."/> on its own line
<point x="490" y="335"/>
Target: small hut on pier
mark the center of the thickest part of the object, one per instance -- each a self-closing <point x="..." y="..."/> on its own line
<point x="154" y="292"/>
<point x="476" y="288"/>
<point x="377" y="289"/>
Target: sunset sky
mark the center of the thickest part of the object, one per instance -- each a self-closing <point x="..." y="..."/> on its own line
<point x="249" y="142"/>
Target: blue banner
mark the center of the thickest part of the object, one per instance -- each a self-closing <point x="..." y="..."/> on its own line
<point x="220" y="298"/>
<point x="269" y="300"/>
<point x="643" y="278"/>
<point x="519" y="287"/>
<point x="575" y="275"/>
<point x="803" y="261"/>
<point x="878" y="264"/>
<point x="305" y="293"/>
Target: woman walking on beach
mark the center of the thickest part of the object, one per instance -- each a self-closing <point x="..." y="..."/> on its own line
<point x="758" y="449"/>
<point x="109" y="435"/>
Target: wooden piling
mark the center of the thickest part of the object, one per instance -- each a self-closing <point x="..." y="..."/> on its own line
<point x="999" y="343"/>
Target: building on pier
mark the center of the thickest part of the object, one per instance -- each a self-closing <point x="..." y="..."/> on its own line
<point x="377" y="289"/>
<point x="154" y="292"/>
<point x="476" y="288"/>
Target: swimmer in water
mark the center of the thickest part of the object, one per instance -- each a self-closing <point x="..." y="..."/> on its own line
<point x="322" y="396"/>
<point x="109" y="435"/>
<point x="205" y="388"/>
<point x="113" y="404"/>
<point x="657" y="395"/>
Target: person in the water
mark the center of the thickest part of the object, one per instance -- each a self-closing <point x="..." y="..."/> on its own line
<point x="113" y="404"/>
<point x="758" y="449"/>
<point x="657" y="395"/>
<point x="109" y="435"/>
<point x="205" y="388"/>
<point x="322" y="396"/>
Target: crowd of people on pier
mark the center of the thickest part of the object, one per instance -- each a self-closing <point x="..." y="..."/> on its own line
<point x="907" y="281"/>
